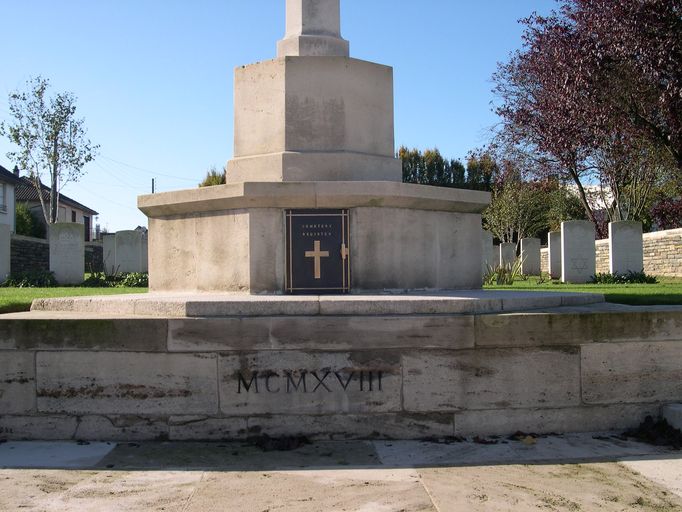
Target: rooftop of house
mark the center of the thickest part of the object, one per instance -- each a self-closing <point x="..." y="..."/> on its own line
<point x="9" y="176"/>
<point x="25" y="191"/>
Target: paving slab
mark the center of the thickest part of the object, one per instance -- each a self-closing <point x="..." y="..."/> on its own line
<point x="601" y="471"/>
<point x="52" y="454"/>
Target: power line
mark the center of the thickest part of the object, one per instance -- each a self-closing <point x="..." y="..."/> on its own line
<point x="109" y="200"/>
<point x="147" y="170"/>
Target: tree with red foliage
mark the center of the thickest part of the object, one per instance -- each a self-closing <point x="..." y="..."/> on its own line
<point x="596" y="91"/>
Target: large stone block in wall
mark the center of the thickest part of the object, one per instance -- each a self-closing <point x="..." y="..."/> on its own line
<point x="626" y="250"/>
<point x="310" y="383"/>
<point x="17" y="382"/>
<point x="67" y="252"/>
<point x="126" y="383"/>
<point x="491" y="379"/>
<point x="577" y="251"/>
<point x="398" y="248"/>
<point x="632" y="372"/>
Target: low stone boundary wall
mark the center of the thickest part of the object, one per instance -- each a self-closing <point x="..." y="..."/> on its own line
<point x="662" y="254"/>
<point x="336" y="377"/>
<point x="31" y="254"/>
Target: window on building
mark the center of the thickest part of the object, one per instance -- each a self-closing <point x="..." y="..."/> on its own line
<point x="73" y="216"/>
<point x="3" y="197"/>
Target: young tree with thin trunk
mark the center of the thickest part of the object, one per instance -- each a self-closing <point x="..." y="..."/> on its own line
<point x="51" y="141"/>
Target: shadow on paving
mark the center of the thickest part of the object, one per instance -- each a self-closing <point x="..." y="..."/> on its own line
<point x="243" y="456"/>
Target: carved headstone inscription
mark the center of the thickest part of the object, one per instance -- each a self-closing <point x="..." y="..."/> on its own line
<point x="318" y="256"/>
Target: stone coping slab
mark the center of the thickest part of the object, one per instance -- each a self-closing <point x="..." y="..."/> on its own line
<point x="311" y="194"/>
<point x="242" y="304"/>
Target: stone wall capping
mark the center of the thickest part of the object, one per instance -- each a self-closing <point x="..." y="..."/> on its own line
<point x="396" y="302"/>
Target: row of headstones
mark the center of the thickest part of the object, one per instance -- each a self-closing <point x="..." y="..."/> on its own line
<point x="572" y="252"/>
<point x="124" y="251"/>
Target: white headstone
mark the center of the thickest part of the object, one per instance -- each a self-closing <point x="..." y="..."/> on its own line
<point x="626" y="250"/>
<point x="313" y="28"/>
<point x="507" y="254"/>
<point x="5" y="251"/>
<point x="129" y="251"/>
<point x="488" y="250"/>
<point x="145" y="254"/>
<point x="577" y="251"/>
<point x="67" y="252"/>
<point x="530" y="256"/>
<point x="109" y="253"/>
<point x="554" y="254"/>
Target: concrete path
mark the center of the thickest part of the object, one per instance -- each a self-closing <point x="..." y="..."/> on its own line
<point x="571" y="472"/>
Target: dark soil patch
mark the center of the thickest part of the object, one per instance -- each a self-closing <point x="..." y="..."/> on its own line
<point x="657" y="432"/>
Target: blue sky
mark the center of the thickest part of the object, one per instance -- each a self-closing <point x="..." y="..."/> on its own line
<point x="153" y="78"/>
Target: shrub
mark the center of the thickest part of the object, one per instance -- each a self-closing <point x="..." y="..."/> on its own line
<point x="118" y="280"/>
<point x="503" y="274"/>
<point x="27" y="223"/>
<point x="627" y="278"/>
<point x="32" y="279"/>
<point x="135" y="280"/>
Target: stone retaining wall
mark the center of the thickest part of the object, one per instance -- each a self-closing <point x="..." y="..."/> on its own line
<point x="662" y="254"/>
<point x="31" y="254"/>
<point x="336" y="377"/>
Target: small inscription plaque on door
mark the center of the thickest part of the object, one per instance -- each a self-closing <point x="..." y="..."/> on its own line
<point x="318" y="254"/>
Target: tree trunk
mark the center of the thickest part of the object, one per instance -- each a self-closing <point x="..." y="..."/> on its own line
<point x="54" y="175"/>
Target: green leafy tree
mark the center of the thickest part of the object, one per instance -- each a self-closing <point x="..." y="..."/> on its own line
<point x="27" y="223"/>
<point x="213" y="177"/>
<point x="51" y="140"/>
<point x="431" y="168"/>
<point x="517" y="211"/>
<point x="481" y="169"/>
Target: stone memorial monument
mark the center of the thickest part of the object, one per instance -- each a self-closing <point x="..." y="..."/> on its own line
<point x="313" y="206"/>
<point x="489" y="257"/>
<point x="129" y="251"/>
<point x="578" y="253"/>
<point x="530" y="256"/>
<point x="507" y="254"/>
<point x="554" y="254"/>
<point x="626" y="248"/>
<point x="67" y="252"/>
<point x="314" y="201"/>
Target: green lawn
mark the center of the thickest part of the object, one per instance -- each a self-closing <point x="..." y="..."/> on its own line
<point x="667" y="291"/>
<point x="19" y="299"/>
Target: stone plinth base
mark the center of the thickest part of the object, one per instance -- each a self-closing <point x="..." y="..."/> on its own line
<point x="76" y="375"/>
<point x="233" y="237"/>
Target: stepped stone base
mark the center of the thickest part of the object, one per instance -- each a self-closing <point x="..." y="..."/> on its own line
<point x="407" y="367"/>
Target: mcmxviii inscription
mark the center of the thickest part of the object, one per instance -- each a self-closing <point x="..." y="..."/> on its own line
<point x="290" y="381"/>
<point x="294" y="382"/>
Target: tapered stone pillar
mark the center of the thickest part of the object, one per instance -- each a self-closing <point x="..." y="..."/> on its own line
<point x="313" y="29"/>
